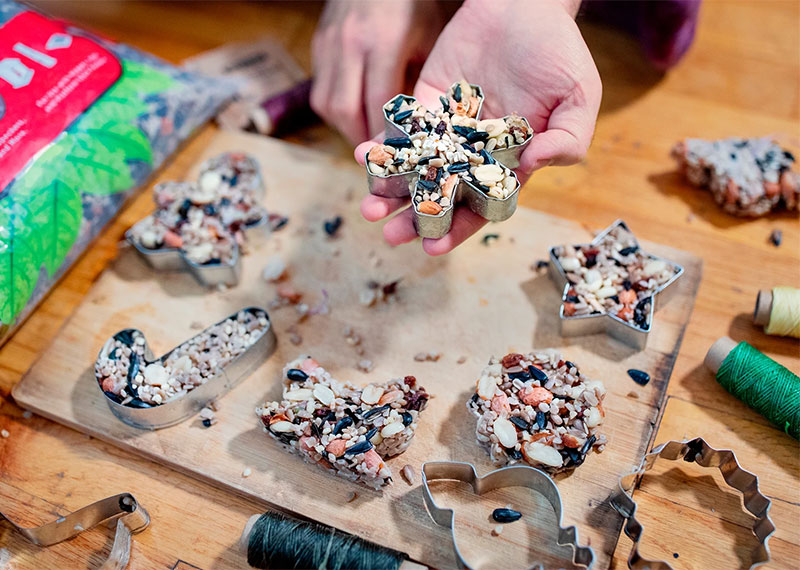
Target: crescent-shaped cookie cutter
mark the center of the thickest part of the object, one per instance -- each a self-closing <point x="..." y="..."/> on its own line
<point x="404" y="184"/>
<point x="697" y="451"/>
<point x="179" y="409"/>
<point x="172" y="259"/>
<point x="623" y="331"/>
<point x="513" y="476"/>
<point x="131" y="518"/>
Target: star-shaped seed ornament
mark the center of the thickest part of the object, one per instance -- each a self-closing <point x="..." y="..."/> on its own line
<point x="447" y="156"/>
<point x="610" y="285"/>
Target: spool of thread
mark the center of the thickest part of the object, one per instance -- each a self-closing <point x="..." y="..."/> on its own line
<point x="778" y="311"/>
<point x="273" y="540"/>
<point x="758" y="381"/>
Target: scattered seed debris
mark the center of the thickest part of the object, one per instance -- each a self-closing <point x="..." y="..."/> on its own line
<point x="488" y="238"/>
<point x="675" y="554"/>
<point x="365" y="365"/>
<point x="497" y="530"/>
<point x="294" y="335"/>
<point x="408" y="474"/>
<point x="332" y="226"/>
<point x="4" y="433"/>
<point x="289" y="294"/>
<point x="776" y="237"/>
<point x="274" y="270"/>
<point x="351" y="336"/>
<point x="207" y="417"/>
<point x="506" y="515"/>
<point x="27" y="414"/>
<point x="196" y="325"/>
<point x="78" y="528"/>
<point x="352" y="497"/>
<point x="276" y="222"/>
<point x="427" y="356"/>
<point x="247" y="472"/>
<point x="634" y="395"/>
<point x="377" y="292"/>
<point x="540" y="264"/>
<point x="638" y="376"/>
<point x="461" y="360"/>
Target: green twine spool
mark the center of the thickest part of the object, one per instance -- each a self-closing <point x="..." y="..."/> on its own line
<point x="764" y="385"/>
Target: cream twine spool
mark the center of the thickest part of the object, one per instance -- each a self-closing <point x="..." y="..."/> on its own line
<point x="778" y="310"/>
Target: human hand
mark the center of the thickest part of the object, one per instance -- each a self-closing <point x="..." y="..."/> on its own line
<point x="362" y="54"/>
<point x="529" y="58"/>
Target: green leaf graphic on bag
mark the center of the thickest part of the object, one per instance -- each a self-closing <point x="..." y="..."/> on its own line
<point x="19" y="258"/>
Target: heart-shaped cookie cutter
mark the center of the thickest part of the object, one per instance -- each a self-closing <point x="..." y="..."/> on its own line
<point x="514" y="476"/>
<point x="403" y="184"/>
<point x="697" y="451"/>
<point x="130" y="516"/>
<point x="578" y="325"/>
<point x="208" y="274"/>
<point x="183" y="407"/>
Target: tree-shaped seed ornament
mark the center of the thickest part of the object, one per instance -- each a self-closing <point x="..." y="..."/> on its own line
<point x="448" y="156"/>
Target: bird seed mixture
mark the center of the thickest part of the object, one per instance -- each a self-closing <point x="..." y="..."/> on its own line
<point x="612" y="277"/>
<point x="538" y="408"/>
<point x="340" y="427"/>
<point x="206" y="219"/>
<point x="448" y="145"/>
<point x="748" y="177"/>
<point x="128" y="378"/>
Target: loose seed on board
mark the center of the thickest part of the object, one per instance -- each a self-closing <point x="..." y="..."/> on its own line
<point x="639" y="376"/>
<point x="506" y="515"/>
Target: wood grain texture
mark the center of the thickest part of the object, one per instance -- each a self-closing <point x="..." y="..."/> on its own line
<point x="481" y="300"/>
<point x="741" y="76"/>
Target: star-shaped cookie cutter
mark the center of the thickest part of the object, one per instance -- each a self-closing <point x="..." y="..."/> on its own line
<point x="697" y="451"/>
<point x="209" y="274"/>
<point x="513" y="476"/>
<point x="630" y="334"/>
<point x="401" y="184"/>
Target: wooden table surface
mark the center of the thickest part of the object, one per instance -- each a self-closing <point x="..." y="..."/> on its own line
<point x="741" y="77"/>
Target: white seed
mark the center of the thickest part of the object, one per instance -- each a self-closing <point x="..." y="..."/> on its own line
<point x="183" y="363"/>
<point x="487" y="386"/>
<point x="371" y="394"/>
<point x="4" y="433"/>
<point x="299" y="394"/>
<point x="592" y="417"/>
<point x="593" y="275"/>
<point x="654" y="267"/>
<point x="376" y="169"/>
<point x="324" y="394"/>
<point x="536" y="452"/>
<point x="282" y="427"/>
<point x="497" y="530"/>
<point x="247" y="472"/>
<point x="392" y="429"/>
<point x="569" y="263"/>
<point x="489" y="173"/>
<point x="505" y="431"/>
<point x="155" y="374"/>
<point x="408" y="474"/>
<point x="274" y="269"/>
<point x="605" y="292"/>
<point x="494" y="127"/>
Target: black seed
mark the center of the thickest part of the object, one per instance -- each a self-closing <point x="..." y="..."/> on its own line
<point x="400" y="117"/>
<point x="469" y="147"/>
<point x="332" y="226"/>
<point x="478" y="185"/>
<point x="206" y="422"/>
<point x="463" y="131"/>
<point x="476" y="136"/>
<point x="520" y="423"/>
<point x="133" y="370"/>
<point x="115" y="397"/>
<point x="570" y="364"/>
<point x="776" y="237"/>
<point x="424" y="160"/>
<point x="137" y="403"/>
<point x="542" y="263"/>
<point x="113" y="354"/>
<point x="315" y="429"/>
<point x="638" y="376"/>
<point x="440" y="128"/>
<point x="591" y="261"/>
<point x="458" y="167"/>
<point x="475" y="398"/>
<point x="278" y="223"/>
<point x="487" y="158"/>
<point x="575" y="456"/>
<point x="213" y="261"/>
<point x="225" y="202"/>
<point x="627" y="285"/>
<point x="537" y="373"/>
<point x="457" y="93"/>
<point x="343" y="423"/>
<point x="614" y="298"/>
<point x="398" y="142"/>
<point x="675" y="555"/>
<point x="587" y="445"/>
<point x="642" y="305"/>
<point x="524" y="376"/>
<point x="506" y="515"/>
<point x="209" y="210"/>
<point x="360" y="447"/>
<point x="183" y="210"/>
<point x="398" y="161"/>
<point x="398" y="102"/>
<point x="788" y="156"/>
<point x="296" y="375"/>
<point x="488" y="237"/>
<point x="572" y="299"/>
<point x="541" y="419"/>
<point x="629" y="250"/>
<point x="445" y="104"/>
<point x="438" y="175"/>
<point x="428" y="185"/>
<point x="407" y="418"/>
<point x="376" y="411"/>
<point x="125" y="337"/>
<point x="514" y="453"/>
<point x="371" y="433"/>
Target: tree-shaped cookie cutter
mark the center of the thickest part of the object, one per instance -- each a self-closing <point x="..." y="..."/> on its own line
<point x="401" y="184"/>
<point x="177" y="410"/>
<point x="578" y="325"/>
<point x="213" y="273"/>
<point x="697" y="451"/>
<point x="513" y="476"/>
<point x="131" y="518"/>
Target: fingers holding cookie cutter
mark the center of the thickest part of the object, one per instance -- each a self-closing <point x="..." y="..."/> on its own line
<point x="697" y="451"/>
<point x="126" y="368"/>
<point x="131" y="518"/>
<point x="514" y="476"/>
<point x="448" y="157"/>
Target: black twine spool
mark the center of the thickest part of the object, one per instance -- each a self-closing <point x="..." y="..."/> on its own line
<point x="277" y="541"/>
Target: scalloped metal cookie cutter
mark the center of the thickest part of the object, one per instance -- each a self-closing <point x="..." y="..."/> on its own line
<point x="697" y="451"/>
<point x="403" y="184"/>
<point x="513" y="476"/>
<point x="179" y="409"/>
<point x="131" y="518"/>
<point x="208" y="274"/>
<point x="604" y="322"/>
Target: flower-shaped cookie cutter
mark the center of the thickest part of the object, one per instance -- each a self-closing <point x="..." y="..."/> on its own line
<point x="153" y="417"/>
<point x="468" y="189"/>
<point x="697" y="451"/>
<point x="514" y="476"/>
<point x="592" y="323"/>
<point x="214" y="272"/>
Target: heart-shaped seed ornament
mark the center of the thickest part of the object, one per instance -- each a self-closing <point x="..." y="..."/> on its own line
<point x="151" y="393"/>
<point x="538" y="408"/>
<point x="341" y="427"/>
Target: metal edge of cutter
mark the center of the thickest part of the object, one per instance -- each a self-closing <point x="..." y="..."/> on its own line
<point x="694" y="451"/>
<point x="513" y="476"/>
<point x="180" y="409"/>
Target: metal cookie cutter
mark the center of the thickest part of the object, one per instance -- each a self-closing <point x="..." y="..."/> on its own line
<point x="514" y="476"/>
<point x="211" y="273"/>
<point x="403" y="184"/>
<point x="616" y="327"/>
<point x="697" y="451"/>
<point x="183" y="407"/>
<point x="130" y="516"/>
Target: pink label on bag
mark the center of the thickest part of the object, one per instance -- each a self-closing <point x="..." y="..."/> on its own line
<point x="48" y="77"/>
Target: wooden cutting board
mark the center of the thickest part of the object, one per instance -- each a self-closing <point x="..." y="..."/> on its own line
<point x="479" y="301"/>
